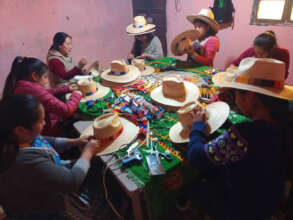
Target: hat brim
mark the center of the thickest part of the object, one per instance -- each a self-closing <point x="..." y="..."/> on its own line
<point x="129" y="133"/>
<point x="213" y="24"/>
<point x="218" y="114"/>
<point x="192" y="94"/>
<point x="142" y="33"/>
<point x="131" y="76"/>
<point x="191" y="34"/>
<point x="132" y="30"/>
<point x="285" y="93"/>
<point x="101" y="92"/>
<point x="148" y="70"/>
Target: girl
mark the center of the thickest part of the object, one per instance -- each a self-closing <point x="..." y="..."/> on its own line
<point x="205" y="48"/>
<point x="146" y="44"/>
<point x="61" y="64"/>
<point x="33" y="181"/>
<point x="265" y="46"/>
<point x="29" y="76"/>
<point x="247" y="160"/>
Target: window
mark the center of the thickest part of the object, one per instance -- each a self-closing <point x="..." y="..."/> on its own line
<point x="272" y="12"/>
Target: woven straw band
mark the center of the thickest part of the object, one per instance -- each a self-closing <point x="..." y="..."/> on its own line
<point x="139" y="26"/>
<point x="112" y="138"/>
<point x="260" y="82"/>
<point x="90" y="93"/>
<point x="118" y="73"/>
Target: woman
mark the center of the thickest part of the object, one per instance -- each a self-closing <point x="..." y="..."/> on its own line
<point x="146" y="45"/>
<point x="60" y="62"/>
<point x="246" y="164"/>
<point x="265" y="46"/>
<point x="29" y="76"/>
<point x="34" y="183"/>
<point x="205" y="48"/>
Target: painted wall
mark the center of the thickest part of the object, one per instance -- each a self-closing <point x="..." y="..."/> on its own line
<point x="232" y="42"/>
<point x="98" y="27"/>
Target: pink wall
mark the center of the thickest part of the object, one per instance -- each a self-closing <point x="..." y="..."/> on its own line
<point x="98" y="27"/>
<point x="232" y="42"/>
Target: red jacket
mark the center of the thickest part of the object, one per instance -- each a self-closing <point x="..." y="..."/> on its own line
<point x="55" y="109"/>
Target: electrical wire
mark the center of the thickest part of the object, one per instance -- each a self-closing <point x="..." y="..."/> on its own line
<point x="178" y="5"/>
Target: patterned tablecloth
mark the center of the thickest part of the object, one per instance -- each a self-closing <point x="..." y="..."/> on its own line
<point x="160" y="190"/>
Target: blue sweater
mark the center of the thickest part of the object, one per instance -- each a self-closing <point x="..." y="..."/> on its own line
<point x="249" y="162"/>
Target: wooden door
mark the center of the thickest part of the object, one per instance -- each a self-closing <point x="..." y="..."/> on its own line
<point x="157" y="10"/>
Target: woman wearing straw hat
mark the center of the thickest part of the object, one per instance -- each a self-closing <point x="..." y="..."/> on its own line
<point x="205" y="48"/>
<point x="146" y="44"/>
<point x="265" y="46"/>
<point x="247" y="160"/>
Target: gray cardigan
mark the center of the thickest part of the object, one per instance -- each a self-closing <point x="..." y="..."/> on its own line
<point x="34" y="183"/>
<point x="154" y="49"/>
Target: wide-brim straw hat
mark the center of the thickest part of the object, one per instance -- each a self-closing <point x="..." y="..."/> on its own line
<point x="190" y="34"/>
<point x="207" y="16"/>
<point x="140" y="26"/>
<point x="101" y="92"/>
<point x="261" y="75"/>
<point x="217" y="112"/>
<point x="131" y="76"/>
<point x="192" y="94"/>
<point x="128" y="135"/>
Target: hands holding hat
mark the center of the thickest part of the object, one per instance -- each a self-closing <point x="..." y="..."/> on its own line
<point x="199" y="114"/>
<point x="82" y="63"/>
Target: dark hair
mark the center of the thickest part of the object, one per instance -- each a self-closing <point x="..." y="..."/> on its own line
<point x="266" y="40"/>
<point x="58" y="40"/>
<point x="137" y="48"/>
<point x="15" y="110"/>
<point x="210" y="32"/>
<point x="21" y="69"/>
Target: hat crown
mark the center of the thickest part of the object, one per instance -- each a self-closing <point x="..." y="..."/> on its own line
<point x="207" y="13"/>
<point x="119" y="66"/>
<point x="87" y="86"/>
<point x="106" y="126"/>
<point x="262" y="68"/>
<point x="139" y="63"/>
<point x="173" y="87"/>
<point x="184" y="113"/>
<point x="139" y="20"/>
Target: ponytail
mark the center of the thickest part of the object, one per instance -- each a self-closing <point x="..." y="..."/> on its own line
<point x="21" y="69"/>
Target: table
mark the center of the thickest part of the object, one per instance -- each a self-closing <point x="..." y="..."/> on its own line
<point x="164" y="188"/>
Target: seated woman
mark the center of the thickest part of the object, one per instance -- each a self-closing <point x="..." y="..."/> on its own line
<point x="246" y="164"/>
<point x="61" y="64"/>
<point x="146" y="44"/>
<point x="34" y="182"/>
<point x="265" y="46"/>
<point x="205" y="48"/>
<point x="29" y="76"/>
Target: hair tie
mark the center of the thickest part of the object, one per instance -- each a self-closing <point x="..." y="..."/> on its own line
<point x="269" y="33"/>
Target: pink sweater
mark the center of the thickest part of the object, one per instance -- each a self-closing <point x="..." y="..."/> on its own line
<point x="55" y="109"/>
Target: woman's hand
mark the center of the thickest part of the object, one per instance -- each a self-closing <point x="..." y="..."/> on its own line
<point x="143" y="56"/>
<point x="130" y="56"/>
<point x="82" y="63"/>
<point x="79" y="142"/>
<point x="198" y="114"/>
<point x="91" y="149"/>
<point x="78" y="92"/>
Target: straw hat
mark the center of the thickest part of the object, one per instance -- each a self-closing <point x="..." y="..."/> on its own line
<point x="207" y="16"/>
<point x="140" y="64"/>
<point x="260" y="75"/>
<point x="113" y="131"/>
<point x="190" y="35"/>
<point x="217" y="114"/>
<point x="140" y="26"/>
<point x="120" y="73"/>
<point x="174" y="92"/>
<point x="94" y="68"/>
<point x="90" y="89"/>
